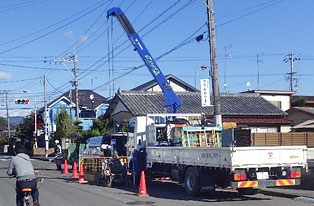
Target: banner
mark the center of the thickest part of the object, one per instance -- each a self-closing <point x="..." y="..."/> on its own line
<point x="205" y="92"/>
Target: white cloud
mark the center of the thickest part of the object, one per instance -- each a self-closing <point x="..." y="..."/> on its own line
<point x="14" y="113"/>
<point x="5" y="76"/>
<point x="83" y="38"/>
<point x="68" y="34"/>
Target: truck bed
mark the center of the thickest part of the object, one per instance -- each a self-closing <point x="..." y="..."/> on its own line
<point x="229" y="157"/>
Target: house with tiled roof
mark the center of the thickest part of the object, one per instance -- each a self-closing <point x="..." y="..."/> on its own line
<point x="177" y="85"/>
<point x="307" y="126"/>
<point x="247" y="110"/>
<point x="300" y="114"/>
<point x="91" y="105"/>
<point x="281" y="99"/>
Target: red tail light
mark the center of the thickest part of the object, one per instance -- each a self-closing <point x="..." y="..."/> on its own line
<point x="239" y="176"/>
<point x="295" y="174"/>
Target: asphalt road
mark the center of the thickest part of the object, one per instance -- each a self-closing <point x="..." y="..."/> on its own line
<point x="60" y="189"/>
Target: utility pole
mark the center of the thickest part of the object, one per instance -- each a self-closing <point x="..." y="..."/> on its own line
<point x="7" y="108"/>
<point x="257" y="64"/>
<point x="225" y="68"/>
<point x="214" y="64"/>
<point x="76" y="86"/>
<point x="35" y="116"/>
<point x="291" y="58"/>
<point x="73" y="59"/>
<point x="46" y="119"/>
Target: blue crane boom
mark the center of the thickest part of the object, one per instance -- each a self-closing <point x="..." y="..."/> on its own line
<point x="171" y="99"/>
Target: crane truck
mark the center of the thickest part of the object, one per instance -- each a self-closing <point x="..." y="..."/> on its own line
<point x="188" y="150"/>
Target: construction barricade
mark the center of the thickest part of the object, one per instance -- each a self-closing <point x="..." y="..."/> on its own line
<point x="104" y="170"/>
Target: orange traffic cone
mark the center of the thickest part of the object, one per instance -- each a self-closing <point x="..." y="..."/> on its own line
<point x="142" y="189"/>
<point x="81" y="176"/>
<point x="65" y="169"/>
<point x="74" y="173"/>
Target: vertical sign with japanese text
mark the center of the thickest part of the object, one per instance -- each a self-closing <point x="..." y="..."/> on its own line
<point x="205" y="92"/>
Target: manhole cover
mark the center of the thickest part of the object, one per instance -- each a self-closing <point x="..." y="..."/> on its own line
<point x="304" y="199"/>
<point x="140" y="203"/>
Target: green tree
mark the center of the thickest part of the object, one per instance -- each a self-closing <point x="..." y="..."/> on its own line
<point x="3" y="141"/>
<point x="63" y="125"/>
<point x="25" y="130"/>
<point x="100" y="127"/>
<point x="3" y="121"/>
<point x="299" y="102"/>
<point x="4" y="124"/>
<point x="77" y="127"/>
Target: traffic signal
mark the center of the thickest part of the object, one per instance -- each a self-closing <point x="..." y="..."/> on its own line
<point x="21" y="101"/>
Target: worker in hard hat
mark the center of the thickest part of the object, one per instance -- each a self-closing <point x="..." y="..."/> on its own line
<point x="58" y="155"/>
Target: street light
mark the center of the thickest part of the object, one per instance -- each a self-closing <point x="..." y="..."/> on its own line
<point x="91" y="97"/>
<point x="35" y="114"/>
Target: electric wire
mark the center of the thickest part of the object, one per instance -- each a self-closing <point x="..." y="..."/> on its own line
<point x="52" y="25"/>
<point x="88" y="29"/>
<point x="126" y="41"/>
<point x="21" y="5"/>
<point x="249" y="13"/>
<point x="246" y="9"/>
<point x="20" y="80"/>
<point x="100" y="35"/>
<point x="50" y="32"/>
<point x="53" y="86"/>
<point x="125" y="48"/>
<point x="185" y="42"/>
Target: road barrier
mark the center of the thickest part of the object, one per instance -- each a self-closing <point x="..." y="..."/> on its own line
<point x="93" y="166"/>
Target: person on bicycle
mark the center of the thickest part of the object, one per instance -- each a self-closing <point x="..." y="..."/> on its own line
<point x="21" y="167"/>
<point x="58" y="155"/>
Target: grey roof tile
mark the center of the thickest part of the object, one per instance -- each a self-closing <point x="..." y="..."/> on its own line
<point x="306" y="109"/>
<point x="141" y="103"/>
<point x="84" y="100"/>
<point x="152" y="83"/>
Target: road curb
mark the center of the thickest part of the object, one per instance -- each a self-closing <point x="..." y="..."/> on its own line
<point x="278" y="194"/>
<point x="295" y="197"/>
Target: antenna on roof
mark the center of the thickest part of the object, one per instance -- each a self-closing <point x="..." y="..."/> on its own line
<point x="248" y="84"/>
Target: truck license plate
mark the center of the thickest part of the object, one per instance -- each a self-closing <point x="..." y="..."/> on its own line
<point x="262" y="175"/>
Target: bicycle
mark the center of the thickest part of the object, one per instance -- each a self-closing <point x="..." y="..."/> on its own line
<point x="28" y="191"/>
<point x="27" y="196"/>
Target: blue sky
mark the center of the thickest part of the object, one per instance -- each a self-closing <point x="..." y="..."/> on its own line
<point x="36" y="34"/>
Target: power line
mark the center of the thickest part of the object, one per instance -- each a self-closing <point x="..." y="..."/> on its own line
<point x="89" y="28"/>
<point x="122" y="50"/>
<point x="249" y="13"/>
<point x="245" y="10"/>
<point x="52" y="25"/>
<point x="21" y="80"/>
<point x="21" y="5"/>
<point x="183" y="43"/>
<point x="50" y="32"/>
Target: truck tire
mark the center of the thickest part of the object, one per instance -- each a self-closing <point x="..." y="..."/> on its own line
<point x="191" y="182"/>
<point x="248" y="191"/>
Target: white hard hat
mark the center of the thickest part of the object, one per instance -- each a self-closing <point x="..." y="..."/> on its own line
<point x="57" y="141"/>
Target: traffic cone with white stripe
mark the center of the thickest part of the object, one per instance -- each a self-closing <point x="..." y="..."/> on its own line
<point x="81" y="176"/>
<point x="142" y="189"/>
<point x="74" y="170"/>
<point x="65" y="169"/>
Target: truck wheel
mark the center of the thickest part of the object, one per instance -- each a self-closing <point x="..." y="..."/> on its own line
<point x="191" y="182"/>
<point x="248" y="191"/>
